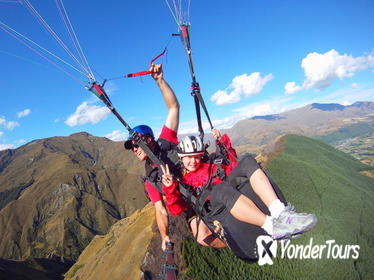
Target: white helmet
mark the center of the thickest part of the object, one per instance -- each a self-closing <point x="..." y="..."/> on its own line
<point x="190" y="146"/>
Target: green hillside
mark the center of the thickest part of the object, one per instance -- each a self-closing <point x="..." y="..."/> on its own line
<point x="351" y="131"/>
<point x="316" y="178"/>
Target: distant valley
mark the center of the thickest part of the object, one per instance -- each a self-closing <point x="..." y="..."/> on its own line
<point x="327" y="122"/>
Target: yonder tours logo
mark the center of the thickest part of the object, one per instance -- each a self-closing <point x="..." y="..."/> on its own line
<point x="267" y="250"/>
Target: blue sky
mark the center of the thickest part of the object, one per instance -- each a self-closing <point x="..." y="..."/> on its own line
<point x="251" y="58"/>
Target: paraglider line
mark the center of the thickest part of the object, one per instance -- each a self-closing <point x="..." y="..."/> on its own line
<point x="39" y="46"/>
<point x="10" y="1"/>
<point x="54" y="35"/>
<point x="171" y="11"/>
<point x="76" y="41"/>
<point x="46" y="58"/>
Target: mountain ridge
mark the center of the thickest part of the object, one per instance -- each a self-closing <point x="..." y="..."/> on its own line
<point x="57" y="193"/>
<point x="311" y="120"/>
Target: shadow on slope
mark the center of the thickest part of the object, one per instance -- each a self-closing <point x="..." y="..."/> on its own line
<point x="31" y="269"/>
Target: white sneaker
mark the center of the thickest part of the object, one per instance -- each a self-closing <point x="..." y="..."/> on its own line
<point x="289" y="223"/>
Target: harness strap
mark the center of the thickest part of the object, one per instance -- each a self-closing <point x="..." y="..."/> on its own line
<point x="220" y="172"/>
<point x="205" y="192"/>
<point x="139" y="140"/>
<point x="197" y="93"/>
<point x="186" y="192"/>
<point x="185" y="37"/>
<point x="198" y="113"/>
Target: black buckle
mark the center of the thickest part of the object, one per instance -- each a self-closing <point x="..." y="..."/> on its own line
<point x="159" y="178"/>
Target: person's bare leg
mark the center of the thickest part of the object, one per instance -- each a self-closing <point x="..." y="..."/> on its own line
<point x="262" y="187"/>
<point x="246" y="211"/>
<point x="205" y="237"/>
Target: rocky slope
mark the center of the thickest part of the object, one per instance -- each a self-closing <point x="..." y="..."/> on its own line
<point x="57" y="193"/>
<point x="118" y="254"/>
<point x="130" y="250"/>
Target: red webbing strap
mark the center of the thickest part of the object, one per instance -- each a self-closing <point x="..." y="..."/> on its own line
<point x="161" y="54"/>
<point x="185" y="31"/>
<point x="142" y="73"/>
<point x="138" y="74"/>
<point x="98" y="89"/>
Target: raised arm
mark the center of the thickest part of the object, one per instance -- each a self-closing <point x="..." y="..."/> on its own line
<point x="225" y="140"/>
<point x="162" y="223"/>
<point x="171" y="101"/>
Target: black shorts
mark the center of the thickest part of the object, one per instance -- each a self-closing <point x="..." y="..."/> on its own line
<point x="239" y="236"/>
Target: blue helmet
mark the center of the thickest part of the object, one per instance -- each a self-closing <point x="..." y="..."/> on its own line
<point x="142" y="130"/>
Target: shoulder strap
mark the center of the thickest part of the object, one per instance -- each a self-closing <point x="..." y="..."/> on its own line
<point x="184" y="189"/>
<point x="205" y="191"/>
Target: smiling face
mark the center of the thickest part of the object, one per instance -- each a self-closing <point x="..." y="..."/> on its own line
<point x="191" y="163"/>
<point x="139" y="153"/>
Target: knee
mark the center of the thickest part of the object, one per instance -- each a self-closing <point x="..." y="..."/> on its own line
<point x="250" y="161"/>
<point x="251" y="165"/>
<point x="221" y="193"/>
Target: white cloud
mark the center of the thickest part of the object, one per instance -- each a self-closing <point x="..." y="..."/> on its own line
<point x="190" y="127"/>
<point x="11" y="125"/>
<point x="257" y="110"/>
<point x="6" y="146"/>
<point x="20" y="141"/>
<point x="1" y="133"/>
<point x="8" y="125"/>
<point x="117" y="135"/>
<point x="87" y="114"/>
<point x="321" y="70"/>
<point x="273" y="106"/>
<point x="355" y="85"/>
<point x="244" y="84"/>
<point x="346" y="103"/>
<point x="344" y="96"/>
<point x="291" y="88"/>
<point x="349" y="95"/>
<point x="24" y="113"/>
<point x="268" y="107"/>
